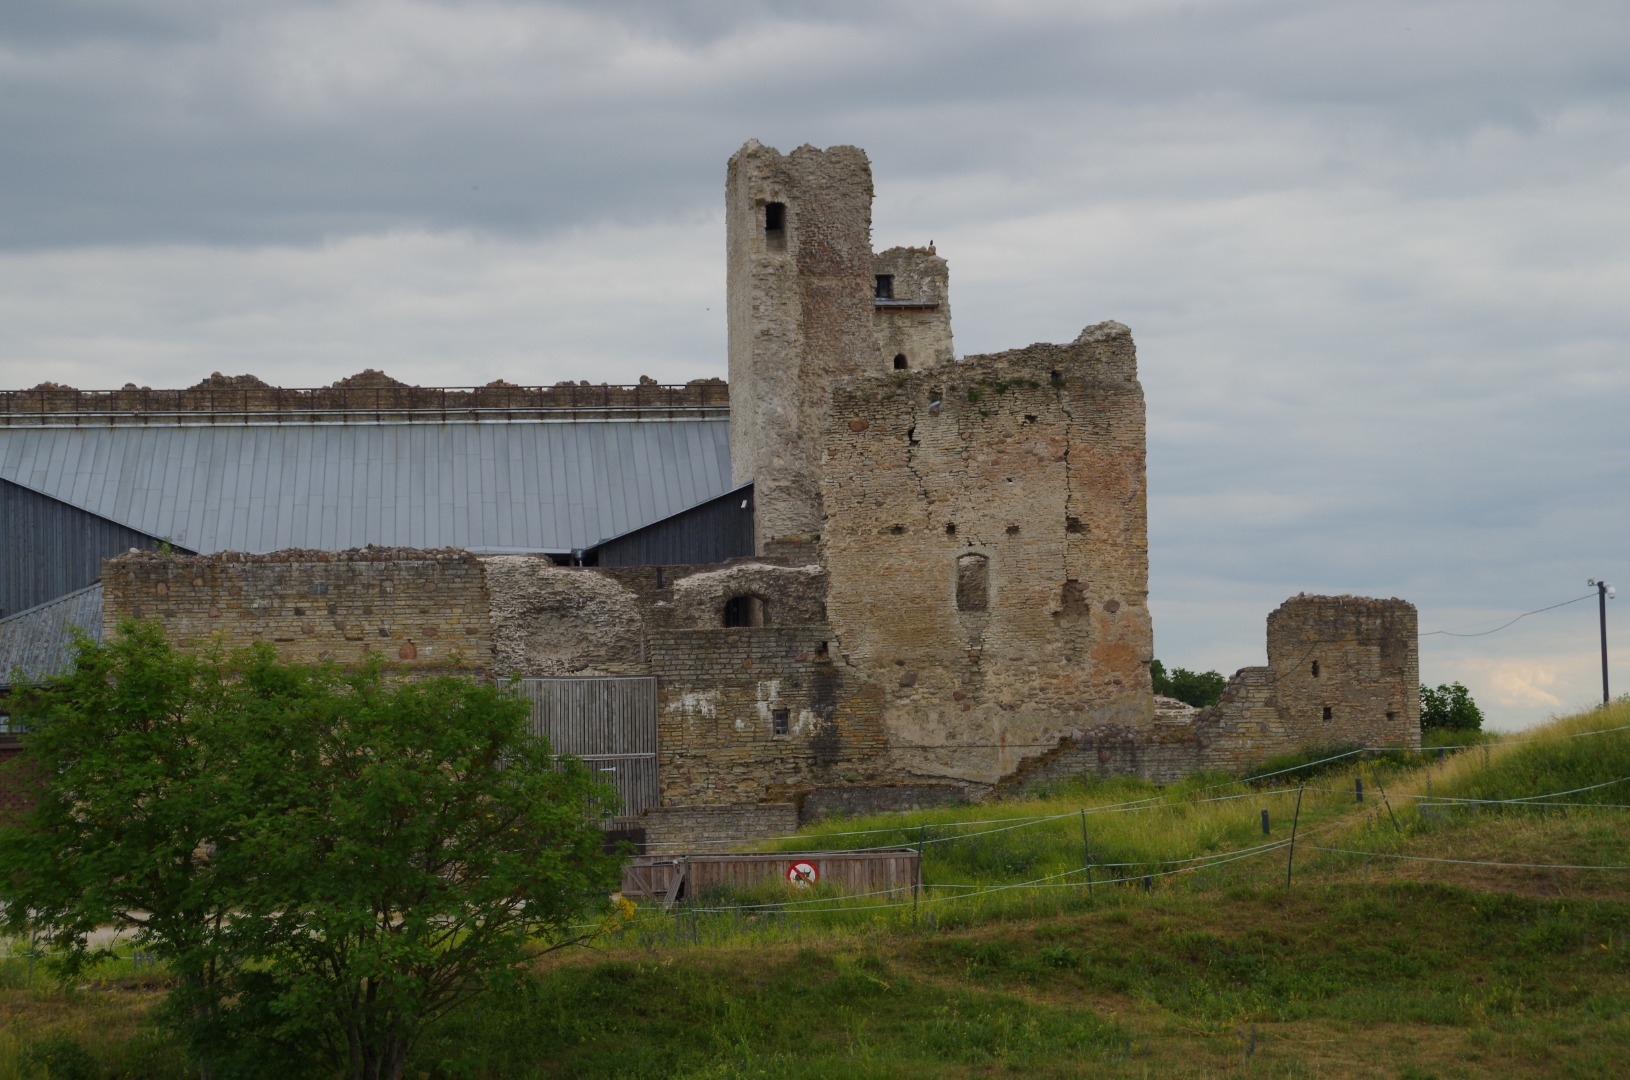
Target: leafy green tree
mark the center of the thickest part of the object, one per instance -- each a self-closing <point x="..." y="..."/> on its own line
<point x="1190" y="687"/>
<point x="1449" y="707"/>
<point x="329" y="859"/>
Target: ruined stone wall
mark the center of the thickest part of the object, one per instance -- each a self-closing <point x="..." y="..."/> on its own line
<point x="708" y="830"/>
<point x="1347" y="670"/>
<point x="720" y="691"/>
<point x="913" y="325"/>
<point x="986" y="546"/>
<point x="799" y="303"/>
<point x="417" y="609"/>
<point x="552" y="621"/>
<point x="359" y="396"/>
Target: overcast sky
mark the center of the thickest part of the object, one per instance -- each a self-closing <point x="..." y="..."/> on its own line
<point x="1376" y="257"/>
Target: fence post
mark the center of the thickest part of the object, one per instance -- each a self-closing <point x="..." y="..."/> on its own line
<point x="1086" y="852"/>
<point x="1290" y="857"/>
<point x="1264" y="821"/>
<point x="1387" y="802"/>
<point x="917" y="886"/>
<point x="1358" y="789"/>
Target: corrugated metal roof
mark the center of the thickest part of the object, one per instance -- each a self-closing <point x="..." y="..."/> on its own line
<point x="520" y="485"/>
<point x="35" y="644"/>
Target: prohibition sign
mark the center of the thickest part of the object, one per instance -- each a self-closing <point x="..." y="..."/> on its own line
<point x="802" y="874"/>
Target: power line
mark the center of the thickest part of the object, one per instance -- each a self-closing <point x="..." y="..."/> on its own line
<point x="1502" y="626"/>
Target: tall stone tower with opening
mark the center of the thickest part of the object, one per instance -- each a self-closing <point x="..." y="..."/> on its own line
<point x="809" y="304"/>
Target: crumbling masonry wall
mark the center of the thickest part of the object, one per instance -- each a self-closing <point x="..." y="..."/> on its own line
<point x="986" y="545"/>
<point x="417" y="609"/>
<point x="913" y="323"/>
<point x="1365" y="655"/>
<point x="799" y="303"/>
<point x="1346" y="670"/>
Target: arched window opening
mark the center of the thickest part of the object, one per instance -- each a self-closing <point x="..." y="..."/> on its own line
<point x="900" y="362"/>
<point x="746" y="611"/>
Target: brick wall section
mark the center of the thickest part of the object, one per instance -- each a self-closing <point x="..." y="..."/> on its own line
<point x="718" y="693"/>
<point x="1368" y="679"/>
<point x="922" y="335"/>
<point x="1034" y="461"/>
<point x="709" y="830"/>
<point x="799" y="315"/>
<point x="1367" y="651"/>
<point x="418" y="609"/>
<point x="551" y="621"/>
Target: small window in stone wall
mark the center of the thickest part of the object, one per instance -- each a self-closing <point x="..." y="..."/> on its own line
<point x="900" y="362"/>
<point x="1329" y="713"/>
<point x="972" y="583"/>
<point x="775" y="226"/>
<point x="779" y="721"/>
<point x="885" y="286"/>
<point x="746" y="611"/>
<point x="1316" y="674"/>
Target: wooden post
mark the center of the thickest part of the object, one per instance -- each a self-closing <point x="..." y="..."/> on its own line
<point x="1290" y="857"/>
<point x="1086" y="852"/>
<point x="1358" y="789"/>
<point x="917" y="883"/>
<point x="1387" y="802"/>
<point x="1264" y="821"/>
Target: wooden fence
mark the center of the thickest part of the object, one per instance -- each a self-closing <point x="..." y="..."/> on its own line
<point x="610" y="723"/>
<point x="675" y="877"/>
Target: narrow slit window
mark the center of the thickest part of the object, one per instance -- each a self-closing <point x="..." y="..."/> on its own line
<point x="775" y="226"/>
<point x="1329" y="713"/>
<point x="1315" y="669"/>
<point x="780" y="721"/>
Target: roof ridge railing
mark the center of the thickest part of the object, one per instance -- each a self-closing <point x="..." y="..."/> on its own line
<point x="274" y="404"/>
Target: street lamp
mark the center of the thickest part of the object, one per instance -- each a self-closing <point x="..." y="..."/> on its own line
<point x="1604" y="593"/>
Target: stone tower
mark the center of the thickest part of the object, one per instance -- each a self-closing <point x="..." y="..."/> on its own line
<point x="800" y="288"/>
<point x="1346" y="670"/>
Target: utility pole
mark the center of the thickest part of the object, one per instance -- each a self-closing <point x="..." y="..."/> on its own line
<point x="1604" y="593"/>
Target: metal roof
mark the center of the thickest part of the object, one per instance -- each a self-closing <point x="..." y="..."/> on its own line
<point x="35" y="644"/>
<point x="538" y="485"/>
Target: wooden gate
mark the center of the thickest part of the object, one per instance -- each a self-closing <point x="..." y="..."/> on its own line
<point x="610" y="723"/>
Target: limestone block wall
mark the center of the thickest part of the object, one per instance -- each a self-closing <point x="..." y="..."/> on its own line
<point x="1347" y="670"/>
<point x="710" y="829"/>
<point x="914" y="323"/>
<point x="552" y="621"/>
<point x="986" y="546"/>
<point x="749" y="714"/>
<point x="799" y="312"/>
<point x="417" y="609"/>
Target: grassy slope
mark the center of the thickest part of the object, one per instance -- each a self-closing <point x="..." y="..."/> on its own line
<point x="1368" y="966"/>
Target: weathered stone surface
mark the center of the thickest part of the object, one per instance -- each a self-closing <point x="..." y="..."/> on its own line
<point x="418" y="608"/>
<point x="556" y="620"/>
<point x="987" y="532"/>
<point x="799" y="302"/>
<point x="915" y="328"/>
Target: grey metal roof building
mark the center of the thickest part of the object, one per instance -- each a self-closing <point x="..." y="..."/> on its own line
<point x="520" y="485"/>
<point x="38" y="642"/>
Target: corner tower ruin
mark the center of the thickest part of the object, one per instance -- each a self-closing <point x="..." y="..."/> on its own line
<point x="809" y="304"/>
